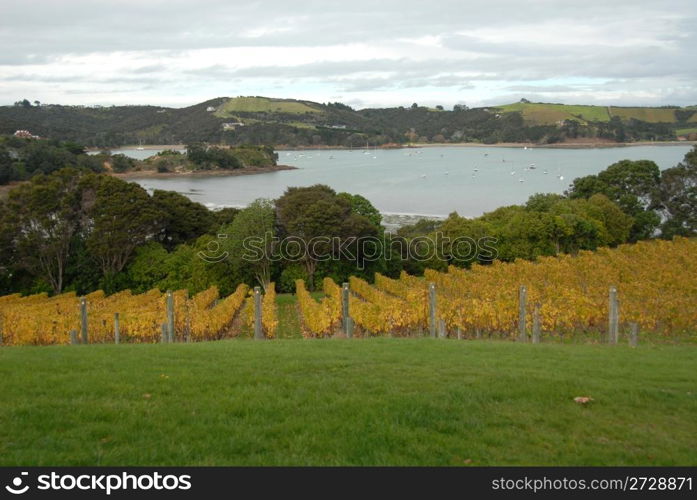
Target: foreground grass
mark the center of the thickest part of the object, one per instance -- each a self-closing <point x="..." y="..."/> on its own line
<point x="362" y="402"/>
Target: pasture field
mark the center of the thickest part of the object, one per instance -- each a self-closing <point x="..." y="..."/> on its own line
<point x="543" y="114"/>
<point x="549" y="114"/>
<point x="377" y="401"/>
<point x="263" y="105"/>
<point x="651" y="115"/>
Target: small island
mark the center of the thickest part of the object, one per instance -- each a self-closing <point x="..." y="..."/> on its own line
<point x="24" y="155"/>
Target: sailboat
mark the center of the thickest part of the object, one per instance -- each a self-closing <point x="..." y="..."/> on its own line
<point x="140" y="145"/>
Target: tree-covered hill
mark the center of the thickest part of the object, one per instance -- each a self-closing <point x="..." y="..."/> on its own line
<point x="290" y="122"/>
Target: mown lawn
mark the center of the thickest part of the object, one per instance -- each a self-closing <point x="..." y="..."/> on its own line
<point x="357" y="402"/>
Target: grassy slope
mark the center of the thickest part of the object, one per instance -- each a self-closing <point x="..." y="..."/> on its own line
<point x="263" y="105"/>
<point x="379" y="401"/>
<point x="542" y="113"/>
<point x="651" y="115"/>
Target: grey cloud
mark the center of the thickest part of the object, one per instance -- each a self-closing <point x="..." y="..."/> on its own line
<point x="543" y="88"/>
<point x="641" y="43"/>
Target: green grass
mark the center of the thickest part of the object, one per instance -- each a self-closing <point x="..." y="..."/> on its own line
<point x="543" y="114"/>
<point x="263" y="105"/>
<point x="549" y="114"/>
<point x="651" y="115"/>
<point x="685" y="131"/>
<point x="357" y="402"/>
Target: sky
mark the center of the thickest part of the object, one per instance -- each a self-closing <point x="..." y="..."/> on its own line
<point x="362" y="53"/>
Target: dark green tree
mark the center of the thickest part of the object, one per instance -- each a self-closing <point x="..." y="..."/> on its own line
<point x="250" y="243"/>
<point x="42" y="217"/>
<point x="184" y="220"/>
<point x="633" y="185"/>
<point x="117" y="217"/>
<point x="677" y="199"/>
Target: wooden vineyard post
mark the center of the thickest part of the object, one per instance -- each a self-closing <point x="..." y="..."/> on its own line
<point x="522" y="297"/>
<point x="536" y="324"/>
<point x="117" y="331"/>
<point x="459" y="333"/>
<point x="258" y="331"/>
<point x="442" y="332"/>
<point x="83" y="319"/>
<point x="73" y="337"/>
<point x="477" y="333"/>
<point x="432" y="309"/>
<point x="347" y="323"/>
<point x="613" y="316"/>
<point x="170" y="316"/>
<point x="633" y="334"/>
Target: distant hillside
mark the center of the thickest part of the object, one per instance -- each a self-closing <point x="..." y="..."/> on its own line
<point x="550" y="114"/>
<point x="290" y="122"/>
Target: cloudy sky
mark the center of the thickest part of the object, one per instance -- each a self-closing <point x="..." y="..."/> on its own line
<point x="363" y="53"/>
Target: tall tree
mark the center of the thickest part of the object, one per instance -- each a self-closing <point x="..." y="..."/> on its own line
<point x="250" y="241"/>
<point x="43" y="217"/>
<point x="184" y="220"/>
<point x="633" y="185"/>
<point x="315" y="216"/>
<point x="117" y="217"/>
<point x="677" y="199"/>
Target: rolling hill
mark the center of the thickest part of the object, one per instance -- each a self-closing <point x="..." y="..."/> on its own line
<point x="291" y="122"/>
<point x="549" y="114"/>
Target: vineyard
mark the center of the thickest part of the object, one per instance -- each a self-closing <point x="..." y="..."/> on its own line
<point x="144" y="318"/>
<point x="656" y="284"/>
<point x="565" y="296"/>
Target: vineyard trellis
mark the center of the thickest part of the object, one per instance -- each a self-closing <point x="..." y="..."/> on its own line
<point x="648" y="287"/>
<point x="39" y="319"/>
<point x="654" y="281"/>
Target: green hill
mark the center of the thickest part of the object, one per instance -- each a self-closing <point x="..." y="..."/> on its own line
<point x="265" y="105"/>
<point x="549" y="114"/>
<point x="291" y="122"/>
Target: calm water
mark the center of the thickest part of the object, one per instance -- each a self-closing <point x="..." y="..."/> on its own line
<point x="428" y="181"/>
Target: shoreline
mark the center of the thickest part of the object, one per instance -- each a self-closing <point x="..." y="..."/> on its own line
<point x="589" y="144"/>
<point x="561" y="145"/>
<point x="152" y="174"/>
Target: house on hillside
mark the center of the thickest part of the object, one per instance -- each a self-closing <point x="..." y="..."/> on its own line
<point x="25" y="134"/>
<point x="210" y="109"/>
<point x="232" y="125"/>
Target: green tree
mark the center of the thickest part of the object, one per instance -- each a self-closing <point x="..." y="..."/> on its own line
<point x="250" y="243"/>
<point x="184" y="220"/>
<point x="362" y="206"/>
<point x="42" y="217"/>
<point x="315" y="216"/>
<point x="118" y="217"/>
<point x="633" y="185"/>
<point x="677" y="199"/>
<point x="149" y="267"/>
